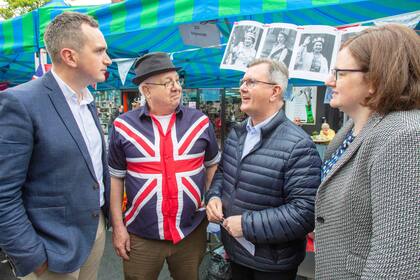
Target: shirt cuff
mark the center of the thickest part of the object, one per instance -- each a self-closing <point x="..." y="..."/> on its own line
<point x="117" y="173"/>
<point x="213" y="197"/>
<point x="213" y="161"/>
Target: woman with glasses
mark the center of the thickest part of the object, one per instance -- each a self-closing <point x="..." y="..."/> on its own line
<point x="367" y="206"/>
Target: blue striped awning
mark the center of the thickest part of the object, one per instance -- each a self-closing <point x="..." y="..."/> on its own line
<point x="135" y="27"/>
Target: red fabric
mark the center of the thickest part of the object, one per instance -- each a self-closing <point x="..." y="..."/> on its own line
<point x="171" y="169"/>
<point x="309" y="244"/>
<point x="4" y="85"/>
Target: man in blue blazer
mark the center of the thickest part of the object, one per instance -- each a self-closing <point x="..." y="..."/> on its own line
<point x="54" y="180"/>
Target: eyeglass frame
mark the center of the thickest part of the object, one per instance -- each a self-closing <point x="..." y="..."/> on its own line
<point x="253" y="82"/>
<point x="334" y="72"/>
<point x="169" y="84"/>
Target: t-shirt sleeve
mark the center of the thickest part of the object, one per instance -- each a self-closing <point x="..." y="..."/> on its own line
<point x="116" y="156"/>
<point x="212" y="155"/>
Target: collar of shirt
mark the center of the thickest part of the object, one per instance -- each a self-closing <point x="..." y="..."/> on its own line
<point x="70" y="94"/>
<point x="257" y="128"/>
<point x="144" y="110"/>
<point x="253" y="135"/>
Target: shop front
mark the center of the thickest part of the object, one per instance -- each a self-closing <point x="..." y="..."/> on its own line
<point x="306" y="106"/>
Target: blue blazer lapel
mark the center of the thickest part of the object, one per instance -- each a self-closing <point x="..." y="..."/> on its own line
<point x="63" y="110"/>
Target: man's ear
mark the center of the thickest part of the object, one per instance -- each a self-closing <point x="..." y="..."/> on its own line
<point x="69" y="57"/>
<point x="145" y="91"/>
<point x="277" y="93"/>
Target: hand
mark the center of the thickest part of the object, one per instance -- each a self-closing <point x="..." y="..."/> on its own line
<point x="307" y="41"/>
<point x="40" y="270"/>
<point x="233" y="225"/>
<point x="214" y="210"/>
<point x="121" y="242"/>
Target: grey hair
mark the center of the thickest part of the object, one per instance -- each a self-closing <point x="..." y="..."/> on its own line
<point x="143" y="83"/>
<point x="277" y="71"/>
<point x="139" y="88"/>
<point x="65" y="31"/>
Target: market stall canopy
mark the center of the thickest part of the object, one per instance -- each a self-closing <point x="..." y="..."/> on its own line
<point x="135" y="27"/>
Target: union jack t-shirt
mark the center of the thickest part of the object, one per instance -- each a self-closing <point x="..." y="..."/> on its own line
<point x="164" y="172"/>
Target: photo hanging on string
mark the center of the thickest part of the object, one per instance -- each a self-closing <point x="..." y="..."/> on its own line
<point x="243" y="44"/>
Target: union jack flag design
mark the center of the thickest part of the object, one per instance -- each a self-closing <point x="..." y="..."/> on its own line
<point x="41" y="70"/>
<point x="167" y="166"/>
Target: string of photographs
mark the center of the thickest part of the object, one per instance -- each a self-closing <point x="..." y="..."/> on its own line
<point x="308" y="51"/>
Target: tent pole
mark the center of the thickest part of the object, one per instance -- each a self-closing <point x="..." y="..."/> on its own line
<point x="223" y="117"/>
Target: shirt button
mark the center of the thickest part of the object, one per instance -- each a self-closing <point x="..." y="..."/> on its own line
<point x="320" y="220"/>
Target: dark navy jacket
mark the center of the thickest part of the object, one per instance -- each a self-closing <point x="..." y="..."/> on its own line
<point x="49" y="195"/>
<point x="273" y="188"/>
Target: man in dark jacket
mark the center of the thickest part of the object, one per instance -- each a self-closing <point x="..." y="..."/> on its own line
<point x="263" y="192"/>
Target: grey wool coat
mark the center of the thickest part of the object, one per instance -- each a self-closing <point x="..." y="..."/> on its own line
<point x="368" y="206"/>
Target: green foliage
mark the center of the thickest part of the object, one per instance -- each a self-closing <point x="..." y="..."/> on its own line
<point x="20" y="7"/>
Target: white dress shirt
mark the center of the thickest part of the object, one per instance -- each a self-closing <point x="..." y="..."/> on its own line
<point x="87" y="127"/>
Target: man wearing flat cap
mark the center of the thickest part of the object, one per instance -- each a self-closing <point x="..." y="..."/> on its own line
<point x="166" y="155"/>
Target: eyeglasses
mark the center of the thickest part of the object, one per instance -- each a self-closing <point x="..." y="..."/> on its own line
<point x="250" y="83"/>
<point x="334" y="72"/>
<point x="168" y="84"/>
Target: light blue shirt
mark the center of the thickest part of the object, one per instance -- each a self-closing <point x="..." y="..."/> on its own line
<point x="253" y="135"/>
<point x="87" y="127"/>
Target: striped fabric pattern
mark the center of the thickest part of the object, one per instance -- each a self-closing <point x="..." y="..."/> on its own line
<point x="134" y="27"/>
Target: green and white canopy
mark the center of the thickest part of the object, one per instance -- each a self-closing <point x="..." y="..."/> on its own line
<point x="135" y="27"/>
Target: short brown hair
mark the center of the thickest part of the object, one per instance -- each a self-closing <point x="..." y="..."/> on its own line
<point x="390" y="53"/>
<point x="65" y="31"/>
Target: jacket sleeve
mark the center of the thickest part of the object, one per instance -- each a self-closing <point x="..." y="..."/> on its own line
<point x="295" y="218"/>
<point x="18" y="238"/>
<point x="395" y="192"/>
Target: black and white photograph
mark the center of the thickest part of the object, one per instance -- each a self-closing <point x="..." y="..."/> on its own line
<point x="309" y="52"/>
<point x="314" y="52"/>
<point x="278" y="43"/>
<point x="243" y="45"/>
<point x="350" y="32"/>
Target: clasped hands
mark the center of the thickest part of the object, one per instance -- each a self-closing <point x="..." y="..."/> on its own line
<point x="232" y="224"/>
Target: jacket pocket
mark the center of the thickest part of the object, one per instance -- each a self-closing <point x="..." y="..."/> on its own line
<point x="51" y="226"/>
<point x="44" y="201"/>
<point x="355" y="264"/>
